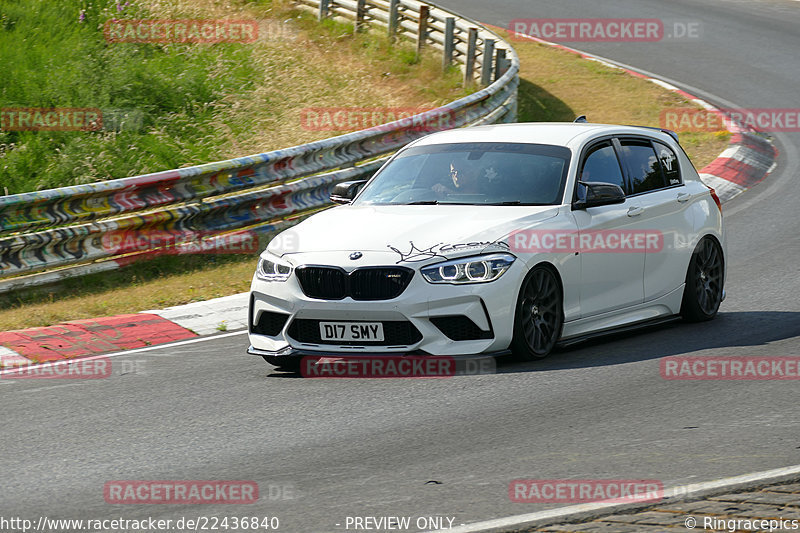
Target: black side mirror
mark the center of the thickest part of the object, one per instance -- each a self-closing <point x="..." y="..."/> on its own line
<point x="344" y="192"/>
<point x="598" y="194"/>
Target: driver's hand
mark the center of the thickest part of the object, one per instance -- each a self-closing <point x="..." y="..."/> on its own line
<point x="439" y="188"/>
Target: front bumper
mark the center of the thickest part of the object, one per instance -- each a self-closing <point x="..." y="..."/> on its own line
<point x="291" y="353"/>
<point x="489" y="306"/>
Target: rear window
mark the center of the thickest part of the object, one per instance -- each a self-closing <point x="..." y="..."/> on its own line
<point x="669" y="164"/>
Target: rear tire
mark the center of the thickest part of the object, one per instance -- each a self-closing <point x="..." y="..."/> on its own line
<point x="539" y="315"/>
<point x="702" y="294"/>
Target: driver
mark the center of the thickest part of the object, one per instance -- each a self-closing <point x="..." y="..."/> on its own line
<point x="463" y="180"/>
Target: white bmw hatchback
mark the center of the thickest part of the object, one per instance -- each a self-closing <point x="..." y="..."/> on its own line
<point x="495" y="239"/>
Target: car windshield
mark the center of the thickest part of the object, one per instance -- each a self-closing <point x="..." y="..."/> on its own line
<point x="473" y="174"/>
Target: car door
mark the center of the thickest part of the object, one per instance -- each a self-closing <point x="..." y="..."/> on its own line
<point x="662" y="211"/>
<point x="610" y="279"/>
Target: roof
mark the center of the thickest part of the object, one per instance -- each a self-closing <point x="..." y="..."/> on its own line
<point x="555" y="133"/>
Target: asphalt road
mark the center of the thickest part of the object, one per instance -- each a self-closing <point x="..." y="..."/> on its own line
<point x="323" y="450"/>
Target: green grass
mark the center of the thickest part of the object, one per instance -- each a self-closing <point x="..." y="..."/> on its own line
<point x="169" y="105"/>
<point x="54" y="54"/>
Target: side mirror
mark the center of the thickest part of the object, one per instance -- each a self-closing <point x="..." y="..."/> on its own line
<point x="344" y="192"/>
<point x="598" y="194"/>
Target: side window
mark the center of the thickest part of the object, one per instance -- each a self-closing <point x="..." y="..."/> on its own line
<point x="643" y="165"/>
<point x="602" y="165"/>
<point x="669" y="164"/>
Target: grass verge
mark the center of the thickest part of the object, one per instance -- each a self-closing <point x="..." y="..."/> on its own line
<point x="338" y="69"/>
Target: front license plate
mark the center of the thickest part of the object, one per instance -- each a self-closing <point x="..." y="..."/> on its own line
<point x="351" y="331"/>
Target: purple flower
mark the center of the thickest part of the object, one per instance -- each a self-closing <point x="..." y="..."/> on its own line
<point x="82" y="16"/>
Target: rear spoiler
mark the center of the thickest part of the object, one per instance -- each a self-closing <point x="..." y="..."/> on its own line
<point x="662" y="130"/>
<point x="582" y="119"/>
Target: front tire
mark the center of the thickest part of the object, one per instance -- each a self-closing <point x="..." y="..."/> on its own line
<point x="704" y="282"/>
<point x="539" y="315"/>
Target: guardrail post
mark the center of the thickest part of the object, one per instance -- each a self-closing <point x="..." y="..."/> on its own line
<point x="394" y="18"/>
<point x="449" y="42"/>
<point x="361" y="11"/>
<point x="324" y="9"/>
<point x="500" y="64"/>
<point x="469" y="61"/>
<point x="488" y="56"/>
<point x="422" y="28"/>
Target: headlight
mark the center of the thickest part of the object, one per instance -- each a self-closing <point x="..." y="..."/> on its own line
<point x="479" y="269"/>
<point x="270" y="268"/>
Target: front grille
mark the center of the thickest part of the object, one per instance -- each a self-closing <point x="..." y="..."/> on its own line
<point x="382" y="283"/>
<point x="460" y="328"/>
<point x="324" y="283"/>
<point x="269" y="323"/>
<point x="395" y="333"/>
<point x="366" y="283"/>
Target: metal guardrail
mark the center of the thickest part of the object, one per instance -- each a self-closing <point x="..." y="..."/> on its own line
<point x="69" y="226"/>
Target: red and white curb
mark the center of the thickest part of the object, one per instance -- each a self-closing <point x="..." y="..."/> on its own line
<point x="82" y="338"/>
<point x="228" y="313"/>
<point x="748" y="159"/>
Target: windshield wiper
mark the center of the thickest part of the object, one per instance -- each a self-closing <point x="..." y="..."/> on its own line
<point x="424" y="202"/>
<point x="510" y="202"/>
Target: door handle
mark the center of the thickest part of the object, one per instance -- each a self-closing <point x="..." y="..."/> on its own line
<point x="635" y="211"/>
<point x="684" y="197"/>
